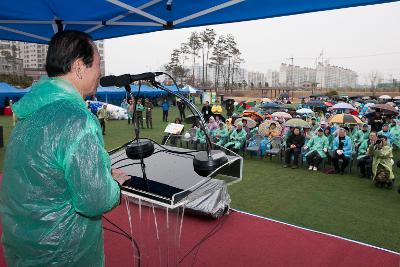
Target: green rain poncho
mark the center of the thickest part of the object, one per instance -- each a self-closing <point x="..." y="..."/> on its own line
<point x="383" y="156"/>
<point x="318" y="143"/>
<point x="57" y="181"/>
<point x="223" y="135"/>
<point x="237" y="139"/>
<point x="395" y="131"/>
<point x="360" y="136"/>
<point x="201" y="136"/>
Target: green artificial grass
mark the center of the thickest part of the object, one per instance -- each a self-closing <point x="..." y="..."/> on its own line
<point x="342" y="205"/>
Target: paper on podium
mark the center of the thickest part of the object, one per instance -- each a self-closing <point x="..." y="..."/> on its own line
<point x="174" y="128"/>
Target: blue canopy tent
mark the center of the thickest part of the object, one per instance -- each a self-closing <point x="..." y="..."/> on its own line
<point x="115" y="95"/>
<point x="37" y="20"/>
<point x="11" y="92"/>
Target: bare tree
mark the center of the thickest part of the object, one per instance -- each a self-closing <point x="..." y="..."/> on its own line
<point x="208" y="38"/>
<point x="375" y="77"/>
<point x="194" y="45"/>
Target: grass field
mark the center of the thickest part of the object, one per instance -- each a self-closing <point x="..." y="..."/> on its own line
<point x="342" y="205"/>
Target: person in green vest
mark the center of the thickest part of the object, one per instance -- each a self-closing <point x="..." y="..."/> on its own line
<point x="316" y="148"/>
<point x="102" y="115"/>
<point x="382" y="163"/>
<point x="237" y="138"/>
<point x="139" y="113"/>
<point x="57" y="176"/>
<point x="221" y="135"/>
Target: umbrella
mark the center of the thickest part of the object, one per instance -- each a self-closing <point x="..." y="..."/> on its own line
<point x="328" y="104"/>
<point x="345" y="119"/>
<point x="371" y="101"/>
<point x="316" y="104"/>
<point x="369" y="104"/>
<point x="270" y="106"/>
<point x="280" y="114"/>
<point x="386" y="109"/>
<point x="304" y="111"/>
<point x="253" y="114"/>
<point x="297" y="123"/>
<point x="385" y="97"/>
<point x="266" y="100"/>
<point x="391" y="104"/>
<point x="342" y="105"/>
<point x="396" y="98"/>
<point x="263" y="128"/>
<point x="250" y="122"/>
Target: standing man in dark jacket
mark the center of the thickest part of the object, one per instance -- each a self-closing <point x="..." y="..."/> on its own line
<point x="181" y="107"/>
<point x="294" y="144"/>
<point x="206" y="110"/>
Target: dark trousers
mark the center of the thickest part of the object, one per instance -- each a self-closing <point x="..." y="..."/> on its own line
<point x="314" y="159"/>
<point x="165" y="115"/>
<point x="365" y="165"/>
<point x="149" y="120"/>
<point x="335" y="161"/>
<point x="103" y="125"/>
<point x="182" y="114"/>
<point x="139" y="119"/>
<point x="295" y="152"/>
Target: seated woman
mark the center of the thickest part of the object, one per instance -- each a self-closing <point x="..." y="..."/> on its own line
<point x="221" y="135"/>
<point x="317" y="148"/>
<point x="273" y="131"/>
<point x="294" y="144"/>
<point x="382" y="163"/>
<point x="237" y="138"/>
<point x="212" y="125"/>
<point x="200" y="135"/>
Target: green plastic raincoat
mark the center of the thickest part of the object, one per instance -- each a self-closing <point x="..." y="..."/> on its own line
<point x="237" y="139"/>
<point x="395" y="131"/>
<point x="318" y="143"/>
<point x="57" y="181"/>
<point x="201" y="136"/>
<point x="221" y="135"/>
<point x="360" y="136"/>
<point x="383" y="156"/>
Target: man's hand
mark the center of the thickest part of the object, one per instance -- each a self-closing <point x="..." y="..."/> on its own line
<point x="305" y="147"/>
<point x="119" y="175"/>
<point x="292" y="146"/>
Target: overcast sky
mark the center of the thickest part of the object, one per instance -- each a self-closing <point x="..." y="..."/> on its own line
<point x="361" y="38"/>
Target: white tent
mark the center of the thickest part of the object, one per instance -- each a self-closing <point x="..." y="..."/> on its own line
<point x="191" y="90"/>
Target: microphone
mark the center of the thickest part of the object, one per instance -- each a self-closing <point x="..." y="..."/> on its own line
<point x="126" y="79"/>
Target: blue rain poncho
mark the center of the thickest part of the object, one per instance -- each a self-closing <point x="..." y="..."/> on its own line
<point x="57" y="181"/>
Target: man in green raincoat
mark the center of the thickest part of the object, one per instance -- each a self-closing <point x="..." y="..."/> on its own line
<point x="57" y="179"/>
<point x="237" y="138"/>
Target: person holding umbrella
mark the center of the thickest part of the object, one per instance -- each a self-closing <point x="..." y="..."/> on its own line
<point x="294" y="144"/>
<point x="342" y="149"/>
<point x="317" y="148"/>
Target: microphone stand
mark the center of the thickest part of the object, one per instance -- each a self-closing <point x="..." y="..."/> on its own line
<point x="192" y="107"/>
